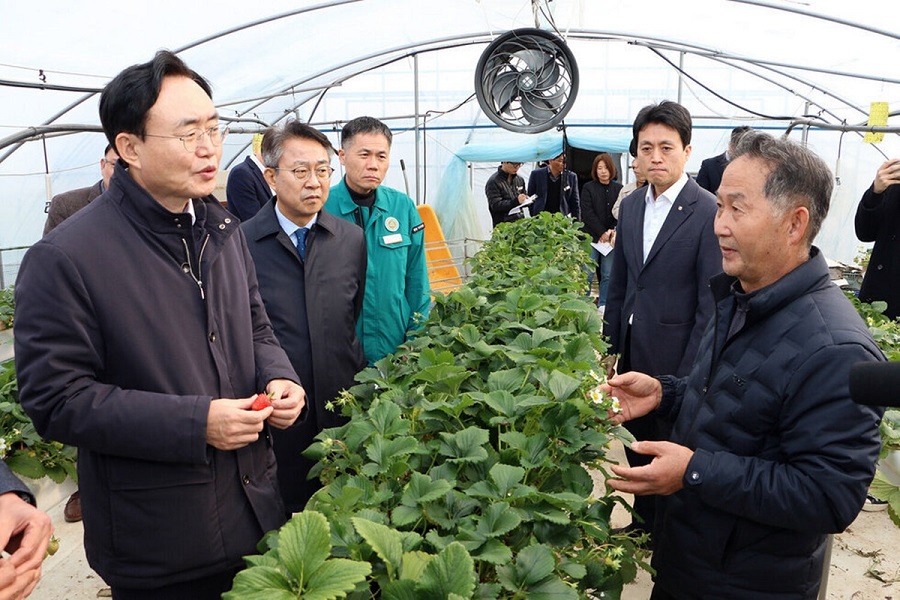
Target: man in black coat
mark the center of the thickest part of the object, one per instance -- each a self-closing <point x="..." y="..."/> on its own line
<point x="64" y="205"/>
<point x="505" y="190"/>
<point x="768" y="452"/>
<point x="141" y="339"/>
<point x="311" y="268"/>
<point x="878" y="220"/>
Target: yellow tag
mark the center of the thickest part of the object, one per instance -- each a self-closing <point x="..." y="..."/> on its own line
<point x="878" y="117"/>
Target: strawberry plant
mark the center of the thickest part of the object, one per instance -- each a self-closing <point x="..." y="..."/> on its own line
<point x="23" y="450"/>
<point x="476" y="437"/>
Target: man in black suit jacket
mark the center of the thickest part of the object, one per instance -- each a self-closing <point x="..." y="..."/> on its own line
<point x="247" y="190"/>
<point x="311" y="268"/>
<point x="556" y="188"/>
<point x="24" y="533"/>
<point x="665" y="253"/>
<point x="62" y="206"/>
<point x="710" y="175"/>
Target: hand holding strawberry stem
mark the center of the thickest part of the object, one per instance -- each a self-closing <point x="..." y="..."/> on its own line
<point x="288" y="400"/>
<point x="231" y="424"/>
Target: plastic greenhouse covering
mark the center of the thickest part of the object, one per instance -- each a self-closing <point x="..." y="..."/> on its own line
<point x="808" y="68"/>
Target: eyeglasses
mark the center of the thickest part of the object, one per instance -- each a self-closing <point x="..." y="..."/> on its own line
<point x="304" y="173"/>
<point x="191" y="140"/>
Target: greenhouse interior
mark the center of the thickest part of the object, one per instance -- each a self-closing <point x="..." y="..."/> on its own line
<point x="823" y="73"/>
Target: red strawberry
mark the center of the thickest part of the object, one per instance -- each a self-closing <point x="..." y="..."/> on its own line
<point x="261" y="402"/>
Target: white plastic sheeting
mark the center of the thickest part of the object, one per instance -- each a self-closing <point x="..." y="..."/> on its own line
<point x="412" y="63"/>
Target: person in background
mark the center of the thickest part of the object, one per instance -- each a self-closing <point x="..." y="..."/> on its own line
<point x="640" y="180"/>
<point x="556" y="188"/>
<point x="665" y="253"/>
<point x="711" y="169"/>
<point x="247" y="189"/>
<point x="146" y="347"/>
<point x="397" y="298"/>
<point x="769" y="453"/>
<point x="505" y="190"/>
<point x="311" y="268"/>
<point x="24" y="534"/>
<point x="597" y="199"/>
<point x="878" y="220"/>
<point x="62" y="206"/>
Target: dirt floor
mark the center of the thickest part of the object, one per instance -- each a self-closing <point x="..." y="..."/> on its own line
<point x="865" y="563"/>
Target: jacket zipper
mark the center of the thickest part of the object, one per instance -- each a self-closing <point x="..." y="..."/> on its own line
<point x="190" y="266"/>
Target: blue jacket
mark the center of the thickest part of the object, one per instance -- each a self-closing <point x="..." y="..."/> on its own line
<point x="782" y="455"/>
<point x="397" y="290"/>
<point x="11" y="483"/>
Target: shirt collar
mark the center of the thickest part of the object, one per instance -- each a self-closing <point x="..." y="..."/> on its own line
<point x="288" y="226"/>
<point x="670" y="194"/>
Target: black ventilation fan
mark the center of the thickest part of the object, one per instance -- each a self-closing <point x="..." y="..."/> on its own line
<point x="526" y="80"/>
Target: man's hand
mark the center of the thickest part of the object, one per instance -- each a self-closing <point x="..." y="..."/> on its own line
<point x="888" y="174"/>
<point x="522" y="198"/>
<point x="288" y="400"/>
<point x="663" y="476"/>
<point x="638" y="394"/>
<point x="231" y="424"/>
<point x="24" y="533"/>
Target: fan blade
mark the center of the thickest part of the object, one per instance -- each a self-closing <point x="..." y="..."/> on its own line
<point x="534" y="60"/>
<point x="503" y="89"/>
<point x="537" y="110"/>
<point x="548" y="76"/>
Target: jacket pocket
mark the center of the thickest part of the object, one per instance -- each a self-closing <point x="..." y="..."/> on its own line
<point x="163" y="517"/>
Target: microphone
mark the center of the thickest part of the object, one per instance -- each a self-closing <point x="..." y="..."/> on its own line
<point x="875" y="383"/>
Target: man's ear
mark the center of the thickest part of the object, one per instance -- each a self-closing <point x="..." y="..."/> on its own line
<point x="269" y="174"/>
<point x="128" y="148"/>
<point x="798" y="224"/>
<point x="341" y="156"/>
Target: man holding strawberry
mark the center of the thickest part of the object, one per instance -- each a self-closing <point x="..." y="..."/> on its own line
<point x="142" y="340"/>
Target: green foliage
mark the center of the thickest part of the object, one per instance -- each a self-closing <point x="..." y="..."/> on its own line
<point x="462" y="471"/>
<point x="7" y="307"/>
<point x="21" y="447"/>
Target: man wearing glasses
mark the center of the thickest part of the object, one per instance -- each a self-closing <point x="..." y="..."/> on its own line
<point x="141" y="339"/>
<point x="311" y="268"/>
<point x="64" y="205"/>
<point x="505" y="190"/>
<point x="556" y="188"/>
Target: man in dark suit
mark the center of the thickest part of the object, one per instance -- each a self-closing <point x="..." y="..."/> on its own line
<point x="24" y="534"/>
<point x="62" y="206"/>
<point x="878" y="220"/>
<point x="666" y="251"/>
<point x="311" y="268"/>
<point x="247" y="190"/>
<point x="556" y="188"/>
<point x="710" y="175"/>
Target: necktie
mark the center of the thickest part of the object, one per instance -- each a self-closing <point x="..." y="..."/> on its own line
<point x="301" y="241"/>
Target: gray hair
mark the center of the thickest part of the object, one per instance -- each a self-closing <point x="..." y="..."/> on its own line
<point x="798" y="176"/>
<point x="272" y="148"/>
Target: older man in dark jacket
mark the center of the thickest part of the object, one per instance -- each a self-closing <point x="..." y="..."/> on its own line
<point x="768" y="453"/>
<point x="312" y="287"/>
<point x="142" y="340"/>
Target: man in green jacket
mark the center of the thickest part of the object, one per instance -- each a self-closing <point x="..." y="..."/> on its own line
<point x="397" y="293"/>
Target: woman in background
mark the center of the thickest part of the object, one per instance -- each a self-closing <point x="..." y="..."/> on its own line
<point x="597" y="200"/>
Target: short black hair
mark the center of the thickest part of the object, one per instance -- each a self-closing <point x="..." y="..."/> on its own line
<point x="273" y="141"/>
<point x="668" y="113"/>
<point x="364" y="125"/>
<point x="126" y="100"/>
